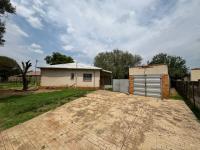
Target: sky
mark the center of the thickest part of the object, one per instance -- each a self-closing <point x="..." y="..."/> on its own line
<point x="83" y="28"/>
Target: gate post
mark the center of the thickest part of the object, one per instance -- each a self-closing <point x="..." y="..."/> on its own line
<point x="165" y="86"/>
<point x="131" y="84"/>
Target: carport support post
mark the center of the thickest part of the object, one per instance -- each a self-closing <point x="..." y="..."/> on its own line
<point x="131" y="84"/>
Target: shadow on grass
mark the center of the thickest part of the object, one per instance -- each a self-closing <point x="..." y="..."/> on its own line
<point x="176" y="96"/>
<point x="193" y="109"/>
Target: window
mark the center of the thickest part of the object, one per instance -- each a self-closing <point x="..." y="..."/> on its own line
<point x="72" y="76"/>
<point x="87" y="77"/>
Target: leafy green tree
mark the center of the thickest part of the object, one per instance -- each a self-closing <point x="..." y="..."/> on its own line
<point x="5" y="7"/>
<point x="118" y="62"/>
<point x="176" y="64"/>
<point x="58" y="58"/>
<point x="8" y="67"/>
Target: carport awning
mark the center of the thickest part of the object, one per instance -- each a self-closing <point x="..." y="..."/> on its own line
<point x="106" y="71"/>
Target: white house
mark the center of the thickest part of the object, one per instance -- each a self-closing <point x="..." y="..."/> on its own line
<point x="74" y="75"/>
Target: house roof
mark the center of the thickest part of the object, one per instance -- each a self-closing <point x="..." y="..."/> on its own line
<point x="148" y="66"/>
<point x="33" y="73"/>
<point x="73" y="66"/>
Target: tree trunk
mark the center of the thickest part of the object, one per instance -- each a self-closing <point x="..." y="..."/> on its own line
<point x="26" y="66"/>
<point x="25" y="83"/>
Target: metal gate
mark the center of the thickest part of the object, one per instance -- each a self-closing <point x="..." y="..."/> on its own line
<point x="147" y="85"/>
<point x="121" y="85"/>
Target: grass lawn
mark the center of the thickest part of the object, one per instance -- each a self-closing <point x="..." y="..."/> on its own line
<point x="14" y="85"/>
<point x="19" y="108"/>
<point x="175" y="95"/>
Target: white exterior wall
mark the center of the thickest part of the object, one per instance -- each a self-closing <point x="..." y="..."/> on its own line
<point x="62" y="77"/>
<point x="151" y="70"/>
<point x="195" y="75"/>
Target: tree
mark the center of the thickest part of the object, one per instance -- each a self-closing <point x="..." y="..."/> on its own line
<point x="58" y="58"/>
<point x="118" y="62"/>
<point x="25" y="67"/>
<point x="176" y="64"/>
<point x="8" y="67"/>
<point x="5" y="7"/>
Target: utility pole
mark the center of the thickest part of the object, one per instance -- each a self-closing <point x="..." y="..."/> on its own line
<point x="36" y="61"/>
<point x="76" y="73"/>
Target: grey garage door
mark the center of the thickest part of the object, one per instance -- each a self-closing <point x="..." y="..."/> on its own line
<point x="147" y="85"/>
<point x="121" y="85"/>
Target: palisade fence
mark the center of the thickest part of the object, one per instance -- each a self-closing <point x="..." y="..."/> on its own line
<point x="190" y="91"/>
<point x="16" y="82"/>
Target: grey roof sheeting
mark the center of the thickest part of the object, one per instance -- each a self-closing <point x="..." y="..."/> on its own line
<point x="73" y="66"/>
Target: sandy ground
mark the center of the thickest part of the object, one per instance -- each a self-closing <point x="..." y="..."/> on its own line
<point x="106" y="120"/>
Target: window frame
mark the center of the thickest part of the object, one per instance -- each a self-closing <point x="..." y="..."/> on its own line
<point x="87" y="79"/>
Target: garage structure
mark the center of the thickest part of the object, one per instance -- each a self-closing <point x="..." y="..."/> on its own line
<point x="150" y="80"/>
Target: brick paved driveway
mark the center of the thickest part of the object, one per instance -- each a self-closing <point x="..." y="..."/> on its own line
<point x="108" y="121"/>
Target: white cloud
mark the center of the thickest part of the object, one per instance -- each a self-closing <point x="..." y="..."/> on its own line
<point x="68" y="47"/>
<point x="104" y="25"/>
<point x="38" y="51"/>
<point x="14" y="29"/>
<point x="15" y="46"/>
<point x="36" y="48"/>
<point x="35" y="22"/>
<point x="30" y="12"/>
<point x="144" y="27"/>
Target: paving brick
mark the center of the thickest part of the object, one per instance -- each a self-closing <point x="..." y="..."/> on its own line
<point x="108" y="121"/>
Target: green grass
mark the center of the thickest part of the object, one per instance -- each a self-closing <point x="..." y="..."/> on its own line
<point x="19" y="108"/>
<point x="14" y="85"/>
<point x="176" y="97"/>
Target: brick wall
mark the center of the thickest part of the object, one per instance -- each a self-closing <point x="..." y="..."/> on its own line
<point x="131" y="84"/>
<point x="165" y="86"/>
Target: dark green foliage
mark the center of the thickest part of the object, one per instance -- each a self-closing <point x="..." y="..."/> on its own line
<point x="58" y="58"/>
<point x="176" y="65"/>
<point x="8" y="67"/>
<point x="5" y="7"/>
<point x="118" y="62"/>
<point x="19" y="108"/>
<point x="2" y="31"/>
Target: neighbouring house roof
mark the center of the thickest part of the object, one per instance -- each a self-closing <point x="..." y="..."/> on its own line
<point x="73" y="66"/>
<point x="106" y="71"/>
<point x="30" y="73"/>
<point x="195" y="69"/>
<point x="33" y="73"/>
